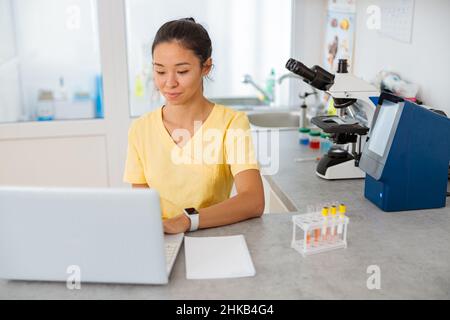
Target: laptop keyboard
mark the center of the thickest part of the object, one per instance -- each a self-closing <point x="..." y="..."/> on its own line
<point x="171" y="252"/>
<point x="171" y="247"/>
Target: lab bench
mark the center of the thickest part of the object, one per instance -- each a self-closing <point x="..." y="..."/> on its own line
<point x="410" y="250"/>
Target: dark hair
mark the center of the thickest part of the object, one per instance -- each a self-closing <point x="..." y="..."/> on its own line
<point x="189" y="33"/>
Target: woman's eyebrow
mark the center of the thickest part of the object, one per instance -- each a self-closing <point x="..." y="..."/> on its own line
<point x="178" y="64"/>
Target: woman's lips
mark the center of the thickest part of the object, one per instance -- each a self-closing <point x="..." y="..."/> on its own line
<point x="172" y="95"/>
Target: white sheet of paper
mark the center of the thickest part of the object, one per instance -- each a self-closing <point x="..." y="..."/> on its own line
<point x="217" y="257"/>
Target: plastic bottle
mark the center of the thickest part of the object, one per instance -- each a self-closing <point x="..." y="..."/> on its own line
<point x="61" y="100"/>
<point x="270" y="86"/>
<point x="314" y="140"/>
<point x="139" y="87"/>
<point x="61" y="94"/>
<point x="45" y="108"/>
<point x="99" y="112"/>
<point x="303" y="116"/>
<point x="303" y="136"/>
<point x="325" y="142"/>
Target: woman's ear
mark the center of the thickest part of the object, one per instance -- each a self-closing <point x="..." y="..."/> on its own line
<point x="207" y="67"/>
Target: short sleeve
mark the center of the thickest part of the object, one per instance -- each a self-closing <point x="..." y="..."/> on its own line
<point x="134" y="170"/>
<point x="239" y="148"/>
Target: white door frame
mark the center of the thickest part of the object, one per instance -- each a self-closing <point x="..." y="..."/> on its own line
<point x="113" y="49"/>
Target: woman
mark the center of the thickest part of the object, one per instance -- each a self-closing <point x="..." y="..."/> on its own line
<point x="169" y="149"/>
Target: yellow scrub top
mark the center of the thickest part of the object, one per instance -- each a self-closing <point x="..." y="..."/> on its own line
<point x="199" y="174"/>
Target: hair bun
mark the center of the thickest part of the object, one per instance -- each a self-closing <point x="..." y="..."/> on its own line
<point x="190" y="19"/>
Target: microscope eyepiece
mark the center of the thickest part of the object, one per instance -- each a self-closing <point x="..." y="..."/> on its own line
<point x="316" y="76"/>
<point x="300" y="69"/>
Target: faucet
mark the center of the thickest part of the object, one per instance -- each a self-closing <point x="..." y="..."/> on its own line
<point x="247" y="79"/>
<point x="303" y="117"/>
<point x="294" y="76"/>
<point x="288" y="75"/>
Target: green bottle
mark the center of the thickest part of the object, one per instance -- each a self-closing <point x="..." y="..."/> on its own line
<point x="270" y="86"/>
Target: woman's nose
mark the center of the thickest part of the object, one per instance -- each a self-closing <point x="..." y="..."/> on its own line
<point x="171" y="81"/>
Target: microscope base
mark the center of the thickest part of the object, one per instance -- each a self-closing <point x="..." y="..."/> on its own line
<point x="330" y="170"/>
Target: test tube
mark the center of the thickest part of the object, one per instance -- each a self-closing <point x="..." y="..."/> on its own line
<point x="333" y="224"/>
<point x="308" y="238"/>
<point x="325" y="223"/>
<point x="340" y="228"/>
<point x="316" y="237"/>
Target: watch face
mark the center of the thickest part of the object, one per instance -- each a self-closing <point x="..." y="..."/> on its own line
<point x="190" y="211"/>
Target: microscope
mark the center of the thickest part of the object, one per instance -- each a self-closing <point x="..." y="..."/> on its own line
<point x="356" y="102"/>
<point x="406" y="153"/>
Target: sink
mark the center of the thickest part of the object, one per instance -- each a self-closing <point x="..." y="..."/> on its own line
<point x="280" y="120"/>
<point x="241" y="103"/>
<point x="261" y="115"/>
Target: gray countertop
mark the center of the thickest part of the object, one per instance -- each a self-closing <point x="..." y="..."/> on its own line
<point x="411" y="250"/>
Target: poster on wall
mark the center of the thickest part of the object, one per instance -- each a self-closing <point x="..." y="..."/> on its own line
<point x="397" y="19"/>
<point x="340" y="32"/>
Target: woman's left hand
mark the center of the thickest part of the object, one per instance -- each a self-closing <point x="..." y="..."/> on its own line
<point x="178" y="224"/>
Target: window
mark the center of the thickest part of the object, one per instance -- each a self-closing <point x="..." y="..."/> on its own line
<point x="49" y="60"/>
<point x="248" y="37"/>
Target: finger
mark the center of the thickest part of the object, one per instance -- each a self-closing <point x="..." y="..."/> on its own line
<point x="170" y="231"/>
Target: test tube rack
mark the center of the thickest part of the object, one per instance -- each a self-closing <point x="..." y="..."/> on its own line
<point x="319" y="234"/>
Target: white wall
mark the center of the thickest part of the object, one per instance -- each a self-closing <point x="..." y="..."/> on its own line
<point x="307" y="40"/>
<point x="424" y="61"/>
<point x="10" y="104"/>
<point x="309" y="30"/>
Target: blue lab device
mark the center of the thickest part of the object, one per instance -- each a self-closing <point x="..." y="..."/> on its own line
<point x="406" y="156"/>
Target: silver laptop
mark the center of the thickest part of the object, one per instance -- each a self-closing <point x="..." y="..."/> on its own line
<point x="98" y="235"/>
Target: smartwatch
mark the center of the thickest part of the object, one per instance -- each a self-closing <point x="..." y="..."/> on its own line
<point x="193" y="215"/>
